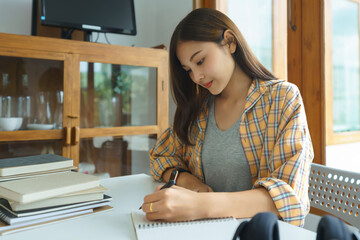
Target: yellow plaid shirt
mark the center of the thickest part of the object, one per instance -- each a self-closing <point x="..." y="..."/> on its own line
<point x="276" y="141"/>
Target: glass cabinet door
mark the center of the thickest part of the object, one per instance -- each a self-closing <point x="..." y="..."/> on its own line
<point x="31" y="98"/>
<point x="101" y="105"/>
<point x="117" y="95"/>
<point x="10" y="149"/>
<point x="114" y="96"/>
<point x="109" y="156"/>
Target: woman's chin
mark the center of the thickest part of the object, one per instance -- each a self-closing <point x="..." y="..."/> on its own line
<point x="214" y="91"/>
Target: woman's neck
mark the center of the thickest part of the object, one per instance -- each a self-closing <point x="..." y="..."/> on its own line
<point x="237" y="88"/>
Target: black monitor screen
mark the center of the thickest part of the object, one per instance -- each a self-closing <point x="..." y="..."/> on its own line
<point x="116" y="16"/>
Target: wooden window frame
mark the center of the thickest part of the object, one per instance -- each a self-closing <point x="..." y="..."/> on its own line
<point x="333" y="138"/>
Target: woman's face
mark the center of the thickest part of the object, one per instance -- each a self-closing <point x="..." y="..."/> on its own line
<point x="208" y="64"/>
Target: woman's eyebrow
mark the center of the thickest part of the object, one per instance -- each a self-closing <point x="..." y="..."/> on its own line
<point x="191" y="58"/>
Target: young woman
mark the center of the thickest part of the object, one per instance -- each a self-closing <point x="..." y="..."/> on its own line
<point x="239" y="144"/>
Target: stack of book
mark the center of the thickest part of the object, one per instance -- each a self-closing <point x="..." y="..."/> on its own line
<point x="41" y="189"/>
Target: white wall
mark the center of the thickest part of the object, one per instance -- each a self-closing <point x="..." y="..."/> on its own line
<point x="15" y="16"/>
<point x="155" y="20"/>
<point x="344" y="156"/>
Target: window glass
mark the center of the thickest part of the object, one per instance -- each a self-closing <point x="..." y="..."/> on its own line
<point x="345" y="58"/>
<point x="254" y="19"/>
<point x="342" y="84"/>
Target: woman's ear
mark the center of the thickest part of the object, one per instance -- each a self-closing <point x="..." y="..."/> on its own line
<point x="229" y="40"/>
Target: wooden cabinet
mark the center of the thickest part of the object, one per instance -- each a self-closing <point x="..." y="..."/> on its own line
<point x="101" y="105"/>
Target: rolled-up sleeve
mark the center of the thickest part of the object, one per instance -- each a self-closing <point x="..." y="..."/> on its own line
<point x="167" y="152"/>
<point x="289" y="161"/>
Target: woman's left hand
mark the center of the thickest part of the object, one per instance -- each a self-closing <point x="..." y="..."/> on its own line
<point x="173" y="204"/>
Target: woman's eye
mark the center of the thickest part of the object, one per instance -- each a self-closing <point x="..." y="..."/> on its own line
<point x="188" y="71"/>
<point x="200" y="62"/>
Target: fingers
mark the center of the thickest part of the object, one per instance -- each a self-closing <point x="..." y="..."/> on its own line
<point x="155" y="211"/>
<point x="154" y="197"/>
<point x="166" y="204"/>
<point x="152" y="201"/>
<point x="151" y="207"/>
<point x="156" y="202"/>
<point x="154" y="216"/>
<point x="158" y="188"/>
<point x="160" y="194"/>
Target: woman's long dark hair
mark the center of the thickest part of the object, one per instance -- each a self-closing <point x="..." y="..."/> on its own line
<point x="206" y="25"/>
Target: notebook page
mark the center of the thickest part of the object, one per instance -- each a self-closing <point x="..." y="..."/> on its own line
<point x="222" y="228"/>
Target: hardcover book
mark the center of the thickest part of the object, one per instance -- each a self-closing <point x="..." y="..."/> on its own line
<point x="5" y="207"/>
<point x="11" y="219"/>
<point x="35" y="174"/>
<point x="76" y="197"/>
<point x="7" y="229"/>
<point x="46" y="186"/>
<point x="30" y="164"/>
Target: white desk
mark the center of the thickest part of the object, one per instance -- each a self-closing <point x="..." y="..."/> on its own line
<point x="128" y="193"/>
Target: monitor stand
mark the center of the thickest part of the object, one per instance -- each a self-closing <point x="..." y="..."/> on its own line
<point x="88" y="36"/>
<point x="66" y="33"/>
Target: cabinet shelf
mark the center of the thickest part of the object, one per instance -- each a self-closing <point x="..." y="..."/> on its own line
<point x="107" y="103"/>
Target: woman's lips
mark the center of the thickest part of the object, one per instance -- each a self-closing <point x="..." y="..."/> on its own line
<point x="208" y="85"/>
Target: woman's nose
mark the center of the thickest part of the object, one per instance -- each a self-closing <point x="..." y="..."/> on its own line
<point x="198" y="76"/>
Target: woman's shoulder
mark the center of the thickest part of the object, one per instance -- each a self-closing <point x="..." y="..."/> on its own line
<point x="280" y="91"/>
<point x="280" y="87"/>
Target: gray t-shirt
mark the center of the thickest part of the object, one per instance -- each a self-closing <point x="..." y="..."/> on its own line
<point x="224" y="162"/>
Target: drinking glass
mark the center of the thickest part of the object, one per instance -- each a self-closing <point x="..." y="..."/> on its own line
<point x="58" y="114"/>
<point x="23" y="109"/>
<point x="43" y="113"/>
<point x="1" y="106"/>
<point x="6" y="106"/>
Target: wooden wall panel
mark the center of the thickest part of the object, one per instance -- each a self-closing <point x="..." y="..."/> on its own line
<point x="306" y="68"/>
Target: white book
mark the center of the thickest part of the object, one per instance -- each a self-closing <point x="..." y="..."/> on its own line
<point x="46" y="186"/>
<point x="76" y="197"/>
<point x="8" y="229"/>
<point x="32" y="164"/>
<point x="5" y="207"/>
<point x="35" y="174"/>
<point x="41" y="220"/>
<point x="221" y="228"/>
<point x="10" y="219"/>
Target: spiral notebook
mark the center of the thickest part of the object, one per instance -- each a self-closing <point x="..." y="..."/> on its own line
<point x="220" y="228"/>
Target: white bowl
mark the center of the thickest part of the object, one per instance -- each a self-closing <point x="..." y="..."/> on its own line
<point x="10" y="123"/>
<point x="40" y="126"/>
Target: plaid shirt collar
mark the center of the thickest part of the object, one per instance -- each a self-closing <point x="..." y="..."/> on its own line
<point x="256" y="90"/>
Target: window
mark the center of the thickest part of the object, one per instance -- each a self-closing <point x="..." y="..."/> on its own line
<point x="342" y="83"/>
<point x="266" y="35"/>
<point x="342" y="71"/>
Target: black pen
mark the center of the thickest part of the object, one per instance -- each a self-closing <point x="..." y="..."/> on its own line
<point x="167" y="185"/>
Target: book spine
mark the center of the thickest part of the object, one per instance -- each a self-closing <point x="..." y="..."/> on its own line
<point x="34" y="168"/>
<point x="4" y="217"/>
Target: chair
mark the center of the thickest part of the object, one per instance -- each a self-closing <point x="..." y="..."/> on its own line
<point x="336" y="192"/>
